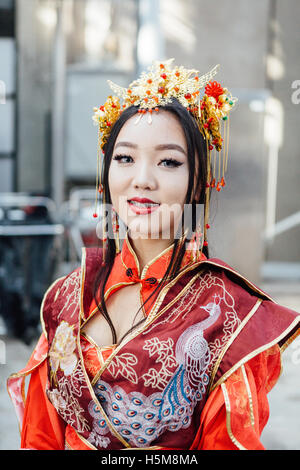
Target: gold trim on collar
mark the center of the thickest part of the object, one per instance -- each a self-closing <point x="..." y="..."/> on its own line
<point x="133" y="254"/>
<point x="290" y="339"/>
<point x="152" y="261"/>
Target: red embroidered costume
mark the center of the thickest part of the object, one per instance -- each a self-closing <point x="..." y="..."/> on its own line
<point x="195" y="375"/>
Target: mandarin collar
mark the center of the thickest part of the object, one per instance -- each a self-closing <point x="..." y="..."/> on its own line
<point x="126" y="268"/>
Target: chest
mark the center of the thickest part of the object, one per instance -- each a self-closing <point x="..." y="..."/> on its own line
<point x="124" y="310"/>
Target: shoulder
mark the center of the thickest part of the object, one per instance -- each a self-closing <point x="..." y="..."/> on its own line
<point x="71" y="291"/>
<point x="265" y="308"/>
<point x="57" y="295"/>
<point x="233" y="278"/>
<point x="262" y="322"/>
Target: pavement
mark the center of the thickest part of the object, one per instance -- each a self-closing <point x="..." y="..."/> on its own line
<point x="283" y="428"/>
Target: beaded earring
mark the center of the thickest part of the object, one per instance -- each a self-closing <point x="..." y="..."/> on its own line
<point x="99" y="192"/>
<point x="116" y="227"/>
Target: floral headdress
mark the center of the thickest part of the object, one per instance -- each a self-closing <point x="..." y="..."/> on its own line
<point x="157" y="87"/>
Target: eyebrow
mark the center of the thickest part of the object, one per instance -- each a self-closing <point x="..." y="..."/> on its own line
<point x="158" y="147"/>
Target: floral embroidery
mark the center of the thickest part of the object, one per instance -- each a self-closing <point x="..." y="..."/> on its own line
<point x="121" y="365"/>
<point x="66" y="399"/>
<point x="70" y="290"/>
<point x="62" y="352"/>
<point x="164" y="351"/>
<point x="57" y="400"/>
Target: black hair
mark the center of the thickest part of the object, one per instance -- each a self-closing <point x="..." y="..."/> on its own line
<point x="196" y="148"/>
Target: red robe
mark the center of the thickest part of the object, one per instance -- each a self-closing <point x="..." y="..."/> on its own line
<point x="243" y="361"/>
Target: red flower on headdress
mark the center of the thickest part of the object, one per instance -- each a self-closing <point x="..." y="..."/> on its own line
<point x="214" y="89"/>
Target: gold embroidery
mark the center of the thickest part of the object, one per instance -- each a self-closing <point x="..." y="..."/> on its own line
<point x="252" y="286"/>
<point x="71" y="290"/>
<point x="65" y="399"/>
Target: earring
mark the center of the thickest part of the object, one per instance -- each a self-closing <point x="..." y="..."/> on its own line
<point x="116" y="226"/>
<point x="100" y="191"/>
<point x="198" y="242"/>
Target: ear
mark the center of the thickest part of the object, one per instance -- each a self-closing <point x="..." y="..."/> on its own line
<point x="197" y="190"/>
<point x="196" y="194"/>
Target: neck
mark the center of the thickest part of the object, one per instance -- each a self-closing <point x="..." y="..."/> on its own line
<point x="146" y="249"/>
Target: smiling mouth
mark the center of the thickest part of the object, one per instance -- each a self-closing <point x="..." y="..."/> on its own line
<point x="143" y="204"/>
<point x="142" y="207"/>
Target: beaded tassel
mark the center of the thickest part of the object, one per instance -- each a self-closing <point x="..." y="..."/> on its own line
<point x="115" y="225"/>
<point x="100" y="190"/>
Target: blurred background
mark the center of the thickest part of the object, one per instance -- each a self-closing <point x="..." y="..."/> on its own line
<point x="55" y="59"/>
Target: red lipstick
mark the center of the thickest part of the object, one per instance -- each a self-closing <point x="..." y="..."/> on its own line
<point x="142" y="205"/>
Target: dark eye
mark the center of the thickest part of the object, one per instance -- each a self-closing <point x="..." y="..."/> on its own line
<point x="171" y="162"/>
<point x="120" y="158"/>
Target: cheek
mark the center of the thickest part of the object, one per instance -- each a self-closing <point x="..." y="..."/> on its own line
<point x="175" y="186"/>
<point x="118" y="192"/>
<point x="116" y="185"/>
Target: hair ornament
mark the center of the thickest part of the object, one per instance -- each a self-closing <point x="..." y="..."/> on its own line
<point x="206" y="100"/>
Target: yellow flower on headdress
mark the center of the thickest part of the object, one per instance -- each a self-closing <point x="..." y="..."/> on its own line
<point x="106" y="116"/>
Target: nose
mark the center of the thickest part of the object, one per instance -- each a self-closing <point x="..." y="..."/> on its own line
<point x="144" y="177"/>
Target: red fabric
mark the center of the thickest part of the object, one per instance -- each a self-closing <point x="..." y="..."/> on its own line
<point x="233" y="416"/>
<point x="239" y="425"/>
<point x="43" y="428"/>
<point x="127" y="259"/>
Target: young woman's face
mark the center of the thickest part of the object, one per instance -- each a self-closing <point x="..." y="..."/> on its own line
<point x="150" y="161"/>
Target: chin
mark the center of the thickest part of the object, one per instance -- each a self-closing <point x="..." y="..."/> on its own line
<point x="157" y="233"/>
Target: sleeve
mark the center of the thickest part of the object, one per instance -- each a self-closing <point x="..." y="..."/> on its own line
<point x="237" y="410"/>
<point x="41" y="427"/>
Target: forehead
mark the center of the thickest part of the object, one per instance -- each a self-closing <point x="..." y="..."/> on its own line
<point x="164" y="128"/>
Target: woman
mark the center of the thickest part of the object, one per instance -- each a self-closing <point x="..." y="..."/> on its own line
<point x="156" y="346"/>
